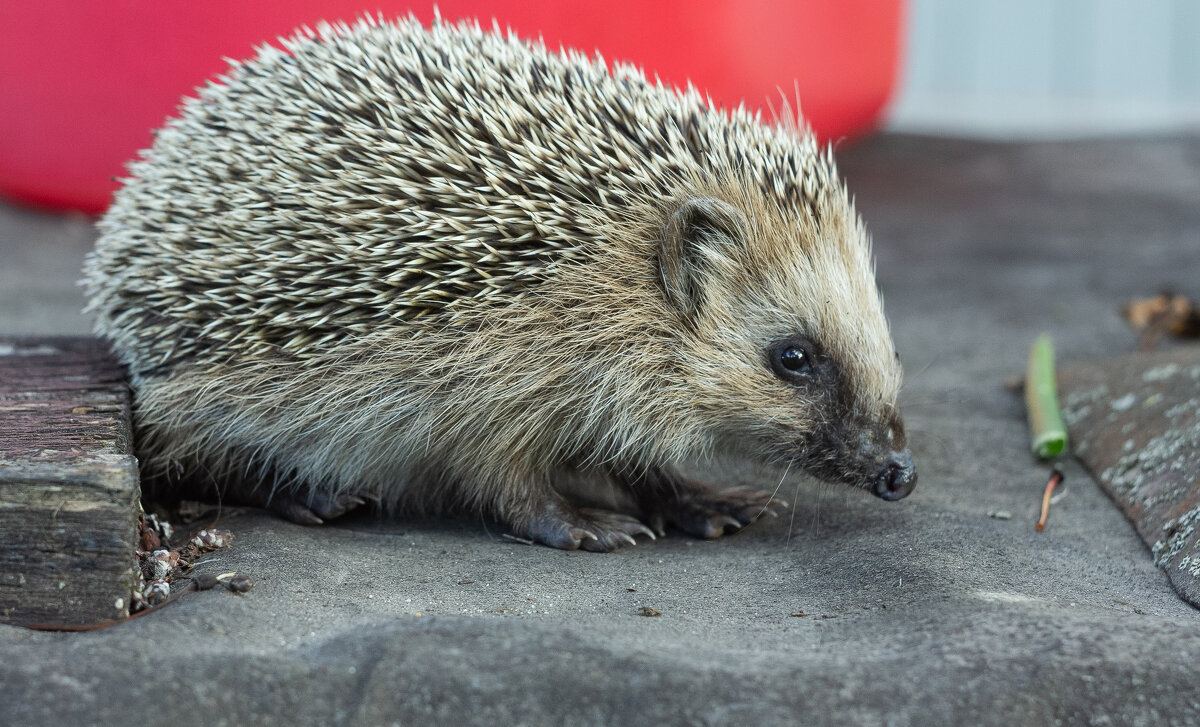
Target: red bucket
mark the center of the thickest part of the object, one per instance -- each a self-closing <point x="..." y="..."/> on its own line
<point x="82" y="85"/>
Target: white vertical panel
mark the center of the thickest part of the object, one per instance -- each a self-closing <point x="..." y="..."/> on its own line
<point x="919" y="50"/>
<point x="955" y="42"/>
<point x="1050" y="67"/>
<point x="1016" y="47"/>
<point x="1185" y="51"/>
<point x="1073" y="72"/>
<point x="1133" y="49"/>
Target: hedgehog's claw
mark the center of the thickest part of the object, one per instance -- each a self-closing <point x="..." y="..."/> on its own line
<point x="293" y="510"/>
<point x="721" y="524"/>
<point x="614" y="530"/>
<point x="313" y="509"/>
<point x="598" y="531"/>
<point x="706" y="512"/>
<point x="328" y="507"/>
<point x="618" y="522"/>
<point x="579" y="536"/>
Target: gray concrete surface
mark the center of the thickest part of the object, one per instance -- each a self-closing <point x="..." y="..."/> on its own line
<point x="926" y="611"/>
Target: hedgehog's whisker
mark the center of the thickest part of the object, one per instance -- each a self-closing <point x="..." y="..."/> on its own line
<point x="936" y="357"/>
<point x="919" y="434"/>
<point x="774" y="492"/>
<point x="792" y="520"/>
<point x="929" y="400"/>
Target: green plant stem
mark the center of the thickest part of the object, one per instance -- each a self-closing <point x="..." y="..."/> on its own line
<point x="1047" y="431"/>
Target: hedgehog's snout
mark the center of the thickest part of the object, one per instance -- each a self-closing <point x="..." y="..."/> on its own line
<point x="898" y="476"/>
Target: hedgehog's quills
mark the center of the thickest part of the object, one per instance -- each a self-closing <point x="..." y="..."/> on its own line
<point x="447" y="269"/>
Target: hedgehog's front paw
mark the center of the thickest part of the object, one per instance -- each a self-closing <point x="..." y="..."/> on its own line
<point x="601" y="531"/>
<point x="707" y="512"/>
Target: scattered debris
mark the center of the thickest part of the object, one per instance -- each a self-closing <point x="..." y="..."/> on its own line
<point x="160" y="563"/>
<point x="1165" y="313"/>
<point x="153" y="532"/>
<point x="798" y="614"/>
<point x="161" y="567"/>
<point x="1000" y="515"/>
<point x="648" y="611"/>
<point x="238" y="582"/>
<point x="206" y="540"/>
<point x="205" y="581"/>
<point x="152" y="593"/>
<point x="1056" y="476"/>
<point x="514" y="538"/>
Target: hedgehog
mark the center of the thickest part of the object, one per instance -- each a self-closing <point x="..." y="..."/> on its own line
<point x="442" y="269"/>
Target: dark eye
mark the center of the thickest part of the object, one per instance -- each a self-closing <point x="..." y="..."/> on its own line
<point x="792" y="361"/>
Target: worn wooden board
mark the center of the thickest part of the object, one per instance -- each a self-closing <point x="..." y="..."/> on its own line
<point x="68" y="483"/>
<point x="1134" y="421"/>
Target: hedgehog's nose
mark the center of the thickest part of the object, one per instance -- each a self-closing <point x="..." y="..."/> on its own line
<point x="897" y="478"/>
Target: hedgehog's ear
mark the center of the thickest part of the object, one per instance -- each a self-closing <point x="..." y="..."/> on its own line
<point x="695" y="235"/>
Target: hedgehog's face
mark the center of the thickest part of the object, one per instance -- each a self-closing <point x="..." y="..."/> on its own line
<point x="789" y="355"/>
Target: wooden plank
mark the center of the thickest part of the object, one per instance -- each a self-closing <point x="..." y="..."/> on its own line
<point x="68" y="483"/>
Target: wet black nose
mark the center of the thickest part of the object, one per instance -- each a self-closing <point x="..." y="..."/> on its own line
<point x="897" y="478"/>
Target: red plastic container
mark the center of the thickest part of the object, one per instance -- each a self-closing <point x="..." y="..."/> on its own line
<point x="83" y="84"/>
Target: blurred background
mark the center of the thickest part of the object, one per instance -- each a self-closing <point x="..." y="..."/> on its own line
<point x="1049" y="68"/>
<point x="83" y="85"/>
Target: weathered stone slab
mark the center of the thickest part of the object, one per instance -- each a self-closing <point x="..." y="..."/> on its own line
<point x="1135" y="423"/>
<point x="68" y="483"/>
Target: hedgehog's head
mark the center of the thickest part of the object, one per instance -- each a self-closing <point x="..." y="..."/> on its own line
<point x="787" y="350"/>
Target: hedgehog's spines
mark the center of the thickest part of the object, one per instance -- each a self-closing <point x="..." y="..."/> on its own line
<point x="373" y="241"/>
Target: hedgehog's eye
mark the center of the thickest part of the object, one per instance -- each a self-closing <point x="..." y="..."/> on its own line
<point x="792" y="361"/>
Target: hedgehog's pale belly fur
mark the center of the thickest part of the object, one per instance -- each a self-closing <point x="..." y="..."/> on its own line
<point x="426" y="266"/>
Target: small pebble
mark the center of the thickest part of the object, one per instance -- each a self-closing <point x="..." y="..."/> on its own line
<point x="239" y="584"/>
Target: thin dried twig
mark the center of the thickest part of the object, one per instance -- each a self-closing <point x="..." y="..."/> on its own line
<point x="1056" y="476"/>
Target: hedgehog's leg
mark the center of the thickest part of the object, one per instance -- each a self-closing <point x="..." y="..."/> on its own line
<point x="299" y="507"/>
<point x="697" y="508"/>
<point x="551" y="520"/>
<point x="302" y="508"/>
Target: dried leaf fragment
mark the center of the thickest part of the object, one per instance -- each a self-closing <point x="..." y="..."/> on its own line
<point x="1164" y="313"/>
